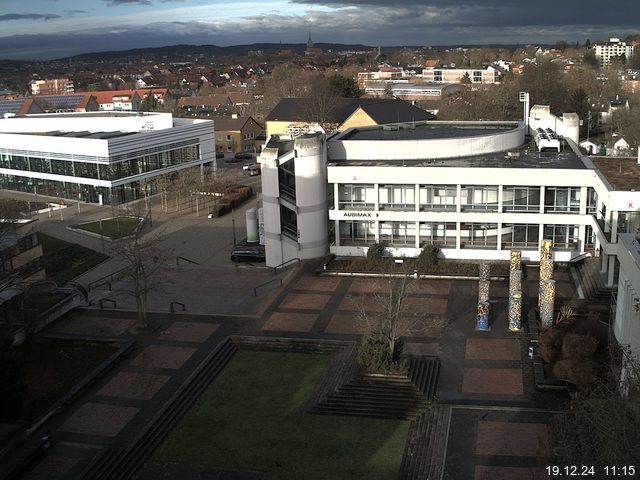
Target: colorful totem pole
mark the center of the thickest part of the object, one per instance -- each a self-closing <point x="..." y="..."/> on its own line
<point x="515" y="311"/>
<point x="482" y="317"/>
<point x="547" y="302"/>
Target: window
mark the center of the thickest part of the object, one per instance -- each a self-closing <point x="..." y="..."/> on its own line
<point x="562" y="200"/>
<point x="357" y="232"/>
<point x="521" y="199"/>
<point x="398" y="234"/>
<point x="479" y="235"/>
<point x="592" y="201"/>
<point x="356" y="196"/>
<point x="397" y="197"/>
<point x="438" y="197"/>
<point x="520" y="235"/>
<point x="288" y="222"/>
<point x="480" y="197"/>
<point x="228" y="138"/>
<point x="564" y="237"/>
<point x="436" y="233"/>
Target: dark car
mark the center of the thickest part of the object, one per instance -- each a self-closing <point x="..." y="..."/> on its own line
<point x="248" y="253"/>
<point x="243" y="156"/>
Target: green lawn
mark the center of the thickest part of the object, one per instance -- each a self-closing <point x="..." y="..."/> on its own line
<point x="64" y="261"/>
<point x="112" y="227"/>
<point x="252" y="417"/>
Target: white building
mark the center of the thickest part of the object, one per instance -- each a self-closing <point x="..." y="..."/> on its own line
<point x="99" y="157"/>
<point x="626" y="325"/>
<point x="476" y="189"/>
<point x="606" y="51"/>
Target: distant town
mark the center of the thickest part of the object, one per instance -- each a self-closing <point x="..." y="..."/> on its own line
<point x="320" y="261"/>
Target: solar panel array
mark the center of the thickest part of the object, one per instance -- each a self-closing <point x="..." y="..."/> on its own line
<point x="62" y="102"/>
<point x="10" y="106"/>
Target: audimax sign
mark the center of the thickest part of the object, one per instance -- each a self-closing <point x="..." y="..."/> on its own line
<point x="358" y="215"/>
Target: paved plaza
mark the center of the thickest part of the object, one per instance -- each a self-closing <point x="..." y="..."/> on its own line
<point x="499" y="421"/>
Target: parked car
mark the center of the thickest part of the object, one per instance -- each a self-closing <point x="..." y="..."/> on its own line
<point x="251" y="169"/>
<point x="243" y="156"/>
<point x="248" y="253"/>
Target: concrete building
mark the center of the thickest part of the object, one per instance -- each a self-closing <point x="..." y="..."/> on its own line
<point x="53" y="86"/>
<point x="410" y="91"/>
<point x="486" y="75"/>
<point x="99" y="157"/>
<point x="476" y="189"/>
<point x="607" y="51"/>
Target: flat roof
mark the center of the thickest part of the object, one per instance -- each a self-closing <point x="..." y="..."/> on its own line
<point x="83" y="134"/>
<point x="622" y="173"/>
<point x="526" y="156"/>
<point x="426" y="131"/>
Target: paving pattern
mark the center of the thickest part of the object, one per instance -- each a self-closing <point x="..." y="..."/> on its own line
<point x="482" y="372"/>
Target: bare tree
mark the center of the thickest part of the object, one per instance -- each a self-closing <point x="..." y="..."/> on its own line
<point x="386" y="316"/>
<point x="142" y="255"/>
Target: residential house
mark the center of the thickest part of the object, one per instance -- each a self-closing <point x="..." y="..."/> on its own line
<point x="118" y="100"/>
<point x="606" y="52"/>
<point x="77" y="102"/>
<point x="294" y="116"/>
<point x="236" y="134"/>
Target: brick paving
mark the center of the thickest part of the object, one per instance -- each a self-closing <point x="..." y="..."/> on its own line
<point x="492" y="349"/>
<point x="162" y="356"/>
<point x="305" y="301"/>
<point x="478" y="368"/>
<point x="494" y="381"/>
<point x="512" y="439"/>
<point x="290" y="322"/>
<point x="189" y="332"/>
<point x="99" y="419"/>
<point x="483" y="472"/>
<point x="139" y="386"/>
<point x="323" y="284"/>
<point x="93" y="326"/>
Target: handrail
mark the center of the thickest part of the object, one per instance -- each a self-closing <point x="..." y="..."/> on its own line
<point x="285" y="264"/>
<point x="176" y="303"/>
<point x="110" y="300"/>
<point x="103" y="280"/>
<point x="186" y="260"/>
<point x="255" y="289"/>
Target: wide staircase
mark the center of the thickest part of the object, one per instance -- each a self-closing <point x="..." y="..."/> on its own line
<point x="592" y="281"/>
<point x="120" y="463"/>
<point x="425" y="448"/>
<point x="385" y="396"/>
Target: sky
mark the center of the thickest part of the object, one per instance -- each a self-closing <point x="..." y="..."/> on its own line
<point x="49" y="29"/>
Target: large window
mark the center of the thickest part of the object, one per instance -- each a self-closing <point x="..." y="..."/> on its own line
<point x="479" y="235"/>
<point x="564" y="237"/>
<point x="520" y="235"/>
<point x="356" y="196"/>
<point x="592" y="201"/>
<point x="438" y="197"/>
<point x="479" y="197"/>
<point x="398" y="234"/>
<point x="438" y="233"/>
<point x="287" y="180"/>
<point x="397" y="197"/>
<point x="289" y="222"/>
<point x="562" y="200"/>
<point x="521" y="199"/>
<point x="357" y="232"/>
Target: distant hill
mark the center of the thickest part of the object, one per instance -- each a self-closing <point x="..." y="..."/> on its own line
<point x="184" y="50"/>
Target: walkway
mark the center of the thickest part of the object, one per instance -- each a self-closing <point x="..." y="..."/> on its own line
<point x="499" y="422"/>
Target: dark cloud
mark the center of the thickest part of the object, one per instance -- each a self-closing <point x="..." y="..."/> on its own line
<point x="73" y="12"/>
<point x="499" y="13"/>
<point x="28" y="16"/>
<point x="114" y="3"/>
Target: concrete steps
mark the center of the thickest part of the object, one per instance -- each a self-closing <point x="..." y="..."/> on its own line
<point x="592" y="281"/>
<point x="426" y="446"/>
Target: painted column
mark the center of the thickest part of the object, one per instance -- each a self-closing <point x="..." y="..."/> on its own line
<point x="515" y="310"/>
<point x="545" y="249"/>
<point x="485" y="271"/>
<point x="546" y="273"/>
<point x="547" y="302"/>
<point x="515" y="260"/>
<point x="482" y="318"/>
<point x="515" y="280"/>
<point x="483" y="291"/>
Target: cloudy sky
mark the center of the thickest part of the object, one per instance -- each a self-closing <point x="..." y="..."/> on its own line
<point x="47" y="29"/>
